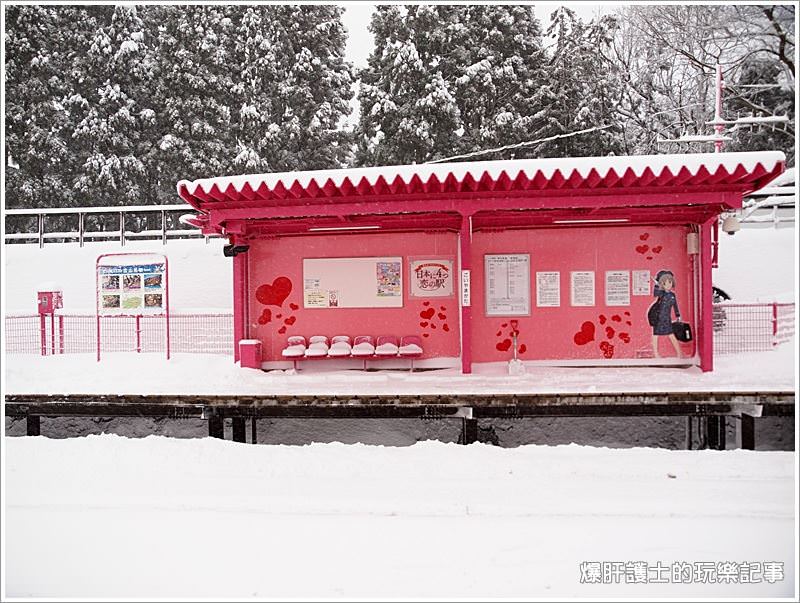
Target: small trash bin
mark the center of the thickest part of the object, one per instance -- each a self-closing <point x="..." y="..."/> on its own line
<point x="250" y="353"/>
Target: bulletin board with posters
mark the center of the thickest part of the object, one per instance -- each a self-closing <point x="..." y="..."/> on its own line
<point x="371" y="282"/>
<point x="132" y="284"/>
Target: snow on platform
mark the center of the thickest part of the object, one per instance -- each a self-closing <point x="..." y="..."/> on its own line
<point x="131" y="373"/>
<point x="110" y="517"/>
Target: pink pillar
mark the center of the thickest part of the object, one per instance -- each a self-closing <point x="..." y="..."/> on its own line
<point x="239" y="293"/>
<point x="465" y="248"/>
<point x="706" y="323"/>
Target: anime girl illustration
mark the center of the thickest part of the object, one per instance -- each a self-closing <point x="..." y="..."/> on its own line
<point x="662" y="314"/>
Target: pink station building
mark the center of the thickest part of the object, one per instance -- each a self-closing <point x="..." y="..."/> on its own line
<point x="562" y="253"/>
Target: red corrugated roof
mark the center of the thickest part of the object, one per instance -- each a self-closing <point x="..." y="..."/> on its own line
<point x="742" y="172"/>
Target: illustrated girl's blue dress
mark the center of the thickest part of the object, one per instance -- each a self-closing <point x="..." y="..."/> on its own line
<point x="667" y="302"/>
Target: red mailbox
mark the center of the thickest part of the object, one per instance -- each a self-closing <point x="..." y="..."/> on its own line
<point x="49" y="301"/>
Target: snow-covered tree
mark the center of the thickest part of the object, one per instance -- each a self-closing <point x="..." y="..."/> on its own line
<point x="451" y="80"/>
<point x="117" y="112"/>
<point x="291" y="88"/>
<point x="39" y="68"/>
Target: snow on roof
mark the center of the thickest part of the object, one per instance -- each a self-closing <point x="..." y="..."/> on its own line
<point x="581" y="168"/>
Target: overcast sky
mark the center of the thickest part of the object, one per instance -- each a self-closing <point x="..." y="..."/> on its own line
<point x="360" y="42"/>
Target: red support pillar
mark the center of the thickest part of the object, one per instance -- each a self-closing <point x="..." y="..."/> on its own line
<point x="465" y="264"/>
<point x="239" y="293"/>
<point x="706" y="323"/>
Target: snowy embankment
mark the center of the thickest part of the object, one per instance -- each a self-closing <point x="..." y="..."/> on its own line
<point x="105" y="516"/>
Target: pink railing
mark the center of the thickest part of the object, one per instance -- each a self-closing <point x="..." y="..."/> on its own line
<point x="77" y="334"/>
<point x="737" y="328"/>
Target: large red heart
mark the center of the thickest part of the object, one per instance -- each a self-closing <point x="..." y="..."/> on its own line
<point x="585" y="335"/>
<point x="504" y="345"/>
<point x="428" y="314"/>
<point x="276" y="293"/>
<point x="642" y="248"/>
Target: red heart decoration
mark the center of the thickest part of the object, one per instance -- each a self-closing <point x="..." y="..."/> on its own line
<point x="426" y="303"/>
<point x="602" y="319"/>
<point x="427" y="314"/>
<point x="279" y="316"/>
<point x="426" y="334"/>
<point x="585" y="335"/>
<point x="445" y="327"/>
<point x="290" y="321"/>
<point x="504" y="345"/>
<point x="265" y="317"/>
<point x="629" y="323"/>
<point x="276" y="293"/>
<point x="644" y="236"/>
<point x="282" y="330"/>
<point x="522" y="349"/>
<point x="294" y="306"/>
<point x="607" y="349"/>
<point x="609" y="332"/>
<point x="616" y="318"/>
<point x="649" y="257"/>
<point x="627" y="313"/>
<point x="442" y="308"/>
<point x="642" y="248"/>
<point x="423" y="324"/>
<point x="504" y="325"/>
<point x="657" y="249"/>
<point x="433" y="326"/>
<point x="442" y="316"/>
<point x="499" y="333"/>
<point x="625" y="337"/>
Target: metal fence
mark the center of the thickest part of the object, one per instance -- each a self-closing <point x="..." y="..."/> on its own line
<point x="737" y="328"/>
<point x="77" y="334"/>
<point x="751" y="327"/>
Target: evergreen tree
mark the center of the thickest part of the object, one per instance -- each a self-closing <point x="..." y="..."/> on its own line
<point x="193" y="92"/>
<point x="39" y="55"/>
<point x="117" y="115"/>
<point x="291" y="90"/>
<point x="581" y="91"/>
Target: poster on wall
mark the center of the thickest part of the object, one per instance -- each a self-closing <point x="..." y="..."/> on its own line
<point x="431" y="277"/>
<point x="582" y="288"/>
<point x="618" y="288"/>
<point x="548" y="289"/>
<point x="641" y="282"/>
<point x="508" y="284"/>
<point x="131" y="288"/>
<point x="370" y="282"/>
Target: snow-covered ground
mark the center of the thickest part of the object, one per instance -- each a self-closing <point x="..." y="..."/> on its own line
<point x="105" y="516"/>
<point x="130" y="373"/>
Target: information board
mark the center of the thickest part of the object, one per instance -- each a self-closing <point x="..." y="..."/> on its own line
<point x="508" y="284"/>
<point x="372" y="282"/>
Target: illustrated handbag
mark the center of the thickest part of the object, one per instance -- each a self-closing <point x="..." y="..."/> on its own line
<point x="682" y="331"/>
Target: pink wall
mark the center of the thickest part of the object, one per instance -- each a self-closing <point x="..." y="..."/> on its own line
<point x="578" y="333"/>
<point x="434" y="319"/>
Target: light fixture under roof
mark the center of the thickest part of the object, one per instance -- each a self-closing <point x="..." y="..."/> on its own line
<point x="340" y="228"/>
<point x="597" y="221"/>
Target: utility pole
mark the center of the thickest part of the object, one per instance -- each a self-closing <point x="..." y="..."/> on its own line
<point x="719" y="128"/>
